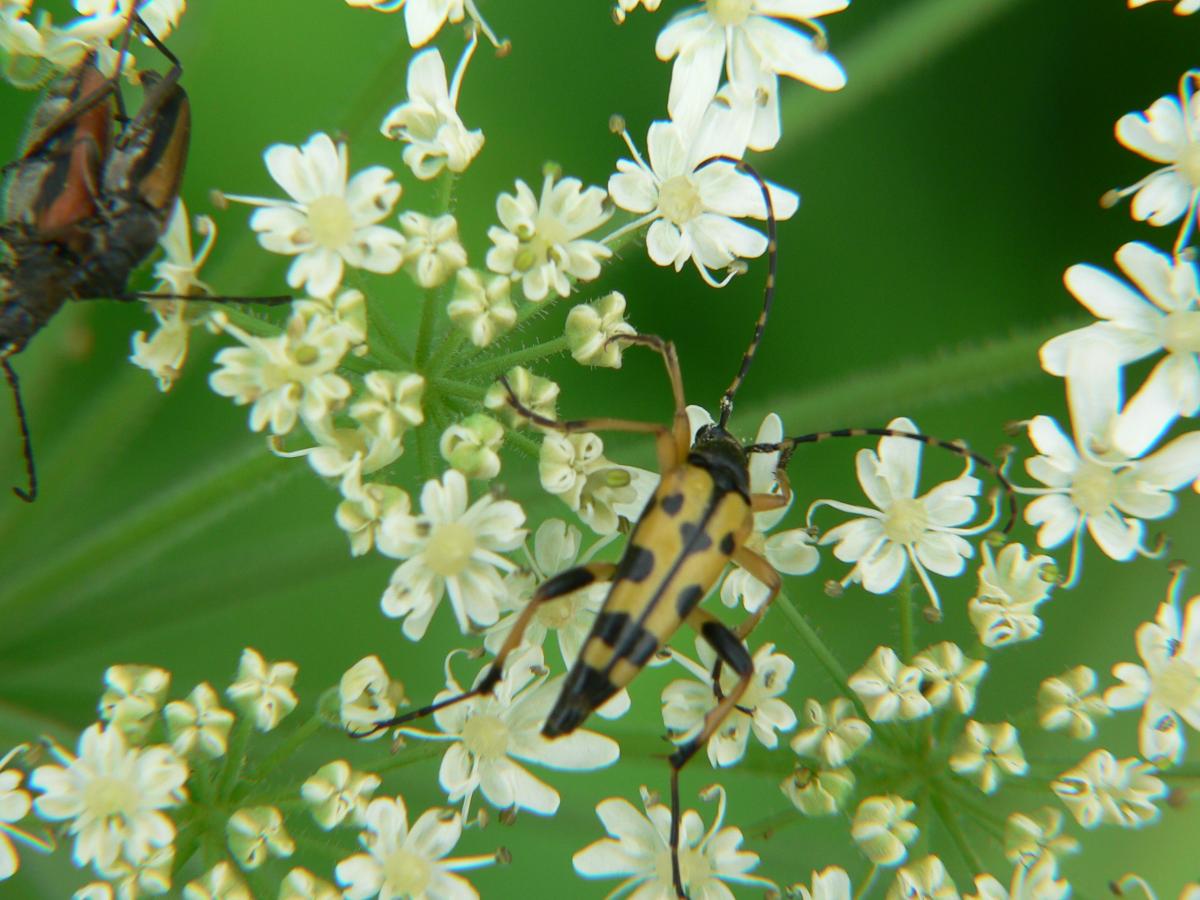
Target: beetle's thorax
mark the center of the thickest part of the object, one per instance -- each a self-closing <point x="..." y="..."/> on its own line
<point x="721" y="454"/>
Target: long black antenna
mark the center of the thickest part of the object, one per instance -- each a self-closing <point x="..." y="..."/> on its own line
<point x="30" y="495"/>
<point x="768" y="292"/>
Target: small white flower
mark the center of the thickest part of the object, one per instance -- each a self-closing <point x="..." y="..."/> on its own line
<point x="450" y="548"/>
<point x="1159" y="313"/>
<point x="18" y="37"/>
<point x="624" y="7"/>
<point x="1029" y="837"/>
<point x="14" y="806"/>
<point x="889" y="689"/>
<point x="492" y="734"/>
<point x="391" y="404"/>
<point x="366" y="695"/>
<point x="834" y="733"/>
<point x="1167" y="684"/>
<point x="760" y="710"/>
<point x="482" y="309"/>
<point x="925" y="530"/>
<point x="129" y="881"/>
<point x="471" y="446"/>
<point x="950" y="677"/>
<point x="638" y="850"/>
<point x="198" y="725"/>
<point x="925" y="879"/>
<point x="301" y="884"/>
<point x="1069" y="703"/>
<point x="257" y="833"/>
<point x="1092" y="482"/>
<point x="344" y="453"/>
<point x="1105" y="790"/>
<point x="285" y="377"/>
<point x="114" y="796"/>
<point x="347" y="312"/>
<point x="404" y="862"/>
<point x="163" y="353"/>
<point x="988" y="752"/>
<point x="423" y="19"/>
<point x="533" y="392"/>
<point x="330" y="222"/>
<point x="263" y="691"/>
<point x="574" y="468"/>
<point x="882" y="830"/>
<point x="132" y="698"/>
<point x="1182" y="8"/>
<point x="542" y="243"/>
<point x="692" y="211"/>
<point x="1168" y="132"/>
<point x="752" y="43"/>
<point x="429" y="122"/>
<point x="818" y="792"/>
<point x="432" y="253"/>
<point x="592" y="327"/>
<point x="336" y="792"/>
<point x="831" y="883"/>
<point x="221" y="882"/>
<point x="1039" y="881"/>
<point x="365" y="508"/>
<point x="1012" y="585"/>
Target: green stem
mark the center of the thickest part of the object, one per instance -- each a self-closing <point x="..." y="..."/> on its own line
<point x="907" y="642"/>
<point x="499" y="364"/>
<point x="425" y="329"/>
<point x="988" y="818"/>
<point x="954" y="828"/>
<point x="765" y="828"/>
<point x="380" y="324"/>
<point x="457" y="388"/>
<point x="865" y="887"/>
<point x="38" y="593"/>
<point x="235" y="757"/>
<point x="407" y="756"/>
<point x="426" y="460"/>
<point x="913" y="35"/>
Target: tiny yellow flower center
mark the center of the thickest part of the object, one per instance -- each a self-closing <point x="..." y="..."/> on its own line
<point x="406" y="874"/>
<point x="1093" y="489"/>
<point x="1180" y="332"/>
<point x="449" y="549"/>
<point x="330" y="222"/>
<point x="485" y="737"/>
<point x="1177" y="684"/>
<point x="729" y="12"/>
<point x="106" y="796"/>
<point x="306" y="354"/>
<point x="679" y="201"/>
<point x="1189" y="163"/>
<point x="557" y="614"/>
<point x="905" y="521"/>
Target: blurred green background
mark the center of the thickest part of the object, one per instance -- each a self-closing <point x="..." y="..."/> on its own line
<point x="944" y="193"/>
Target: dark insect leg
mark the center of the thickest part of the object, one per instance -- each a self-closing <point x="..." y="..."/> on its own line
<point x="666" y="440"/>
<point x="679" y="423"/>
<point x="787" y="447"/>
<point x="733" y="653"/>
<point x="763" y="571"/>
<point x="31" y="472"/>
<point x="158" y="92"/>
<point x="552" y="588"/>
<point x="273" y="300"/>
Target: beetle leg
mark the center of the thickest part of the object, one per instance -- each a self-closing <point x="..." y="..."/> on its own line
<point x="765" y="502"/>
<point x="158" y="93"/>
<point x="553" y="588"/>
<point x="31" y="494"/>
<point x="666" y="440"/>
<point x="679" y="425"/>
<point x="729" y="650"/>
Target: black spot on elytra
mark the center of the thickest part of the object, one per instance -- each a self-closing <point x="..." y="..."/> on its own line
<point x="695" y="538"/>
<point x="636" y="565"/>
<point x="642" y="648"/>
<point x="609" y="626"/>
<point x="728" y="544"/>
<point x="672" y="504"/>
<point x="687" y="598"/>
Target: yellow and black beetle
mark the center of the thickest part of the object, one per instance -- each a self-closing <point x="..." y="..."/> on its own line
<point x="696" y="523"/>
